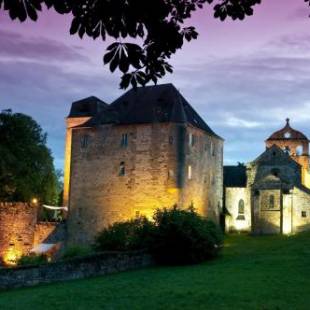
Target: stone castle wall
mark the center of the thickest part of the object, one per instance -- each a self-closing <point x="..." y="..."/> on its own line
<point x="156" y="163"/>
<point x="70" y="123"/>
<point x="17" y="229"/>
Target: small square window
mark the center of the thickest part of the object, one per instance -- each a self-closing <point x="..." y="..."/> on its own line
<point x="303" y="214"/>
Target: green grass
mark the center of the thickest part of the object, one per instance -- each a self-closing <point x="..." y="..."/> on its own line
<point x="252" y="273"/>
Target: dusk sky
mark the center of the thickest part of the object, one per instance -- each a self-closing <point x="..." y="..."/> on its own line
<point x="244" y="77"/>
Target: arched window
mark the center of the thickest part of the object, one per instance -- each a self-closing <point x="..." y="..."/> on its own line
<point x="122" y="169"/>
<point x="271" y="202"/>
<point x="241" y="207"/>
<point x="299" y="150"/>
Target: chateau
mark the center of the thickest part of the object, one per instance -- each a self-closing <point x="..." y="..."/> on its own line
<point x="148" y="149"/>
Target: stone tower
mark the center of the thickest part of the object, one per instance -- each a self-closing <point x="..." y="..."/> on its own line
<point x="81" y="111"/>
<point x="148" y="149"/>
<point x="294" y="143"/>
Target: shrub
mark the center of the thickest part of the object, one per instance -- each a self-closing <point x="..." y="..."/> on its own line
<point x="76" y="251"/>
<point x="184" y="237"/>
<point x="175" y="237"/>
<point x="125" y="236"/>
<point x="32" y="259"/>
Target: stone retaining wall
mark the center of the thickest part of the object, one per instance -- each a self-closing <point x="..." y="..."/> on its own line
<point x="85" y="267"/>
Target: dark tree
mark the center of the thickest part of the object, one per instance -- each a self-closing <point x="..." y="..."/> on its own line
<point x="159" y="24"/>
<point x="26" y="164"/>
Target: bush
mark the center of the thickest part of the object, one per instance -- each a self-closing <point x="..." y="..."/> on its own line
<point x="76" y="251"/>
<point x="175" y="237"/>
<point x="32" y="259"/>
<point x="125" y="236"/>
<point x="184" y="237"/>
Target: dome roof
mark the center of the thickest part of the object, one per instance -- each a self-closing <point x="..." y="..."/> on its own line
<point x="287" y="133"/>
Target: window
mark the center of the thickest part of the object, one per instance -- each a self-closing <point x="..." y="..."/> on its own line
<point x="124" y="141"/>
<point x="303" y="214"/>
<point x="299" y="150"/>
<point x="137" y="214"/>
<point x="287" y="150"/>
<point x="271" y="202"/>
<point x="212" y="149"/>
<point x="170" y="174"/>
<point x="241" y="216"/>
<point x="122" y="170"/>
<point x="190" y="139"/>
<point x="84" y="141"/>
<point x="241" y="207"/>
<point x="287" y="135"/>
<point x="171" y="140"/>
<point x="189" y="172"/>
<point x="275" y="172"/>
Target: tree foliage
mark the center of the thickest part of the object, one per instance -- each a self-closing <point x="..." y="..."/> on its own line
<point x="158" y="24"/>
<point x="26" y="164"/>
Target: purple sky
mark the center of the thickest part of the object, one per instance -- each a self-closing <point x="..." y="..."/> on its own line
<point x="244" y="78"/>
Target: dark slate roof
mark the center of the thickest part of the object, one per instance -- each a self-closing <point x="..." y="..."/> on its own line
<point x="273" y="156"/>
<point x="292" y="133"/>
<point x="235" y="176"/>
<point x="150" y="104"/>
<point x="90" y="106"/>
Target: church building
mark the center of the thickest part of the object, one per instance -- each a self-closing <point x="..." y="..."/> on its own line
<point x="272" y="193"/>
<point x="148" y="149"/>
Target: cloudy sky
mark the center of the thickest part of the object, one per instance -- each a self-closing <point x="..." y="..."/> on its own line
<point x="244" y="78"/>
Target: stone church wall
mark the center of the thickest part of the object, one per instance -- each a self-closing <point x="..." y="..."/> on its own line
<point x="156" y="162"/>
<point x="301" y="210"/>
<point x="233" y="222"/>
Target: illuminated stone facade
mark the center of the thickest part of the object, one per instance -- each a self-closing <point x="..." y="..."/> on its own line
<point x="127" y="163"/>
<point x="17" y="229"/>
<point x="269" y="195"/>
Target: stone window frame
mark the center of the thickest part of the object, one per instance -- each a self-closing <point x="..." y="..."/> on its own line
<point x="122" y="169"/>
<point x="271" y="202"/>
<point x="191" y="139"/>
<point x="212" y="148"/>
<point x="124" y="140"/>
<point x="241" y="210"/>
<point x="189" y="172"/>
<point x="84" y="141"/>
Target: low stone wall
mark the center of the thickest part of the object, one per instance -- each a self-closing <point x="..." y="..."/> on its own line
<point x="79" y="268"/>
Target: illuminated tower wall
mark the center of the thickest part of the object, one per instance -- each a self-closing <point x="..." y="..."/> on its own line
<point x="120" y="172"/>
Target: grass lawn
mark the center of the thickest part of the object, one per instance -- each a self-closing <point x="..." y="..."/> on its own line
<point x="252" y="273"/>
